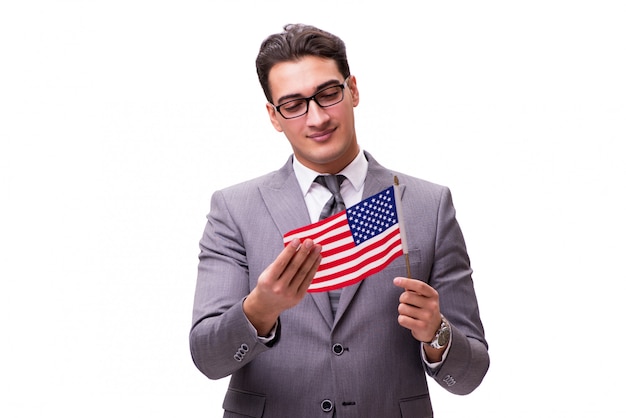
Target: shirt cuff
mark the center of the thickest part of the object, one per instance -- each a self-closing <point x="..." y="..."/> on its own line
<point x="434" y="366"/>
<point x="263" y="340"/>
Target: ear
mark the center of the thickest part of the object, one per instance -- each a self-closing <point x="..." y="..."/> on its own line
<point x="354" y="90"/>
<point x="273" y="117"/>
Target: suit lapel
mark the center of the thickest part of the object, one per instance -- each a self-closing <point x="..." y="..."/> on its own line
<point x="284" y="201"/>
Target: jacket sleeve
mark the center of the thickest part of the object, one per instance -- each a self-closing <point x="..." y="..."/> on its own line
<point x="221" y="338"/>
<point x="467" y="361"/>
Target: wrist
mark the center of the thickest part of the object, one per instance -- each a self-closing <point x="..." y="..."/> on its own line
<point x="442" y="335"/>
<point x="262" y="321"/>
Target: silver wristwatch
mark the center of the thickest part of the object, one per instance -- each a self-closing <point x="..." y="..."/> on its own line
<point x="442" y="336"/>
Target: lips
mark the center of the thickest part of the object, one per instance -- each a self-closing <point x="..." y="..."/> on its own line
<point x="321" y="136"/>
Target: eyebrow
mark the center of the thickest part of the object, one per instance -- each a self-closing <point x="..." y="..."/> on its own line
<point x="317" y="90"/>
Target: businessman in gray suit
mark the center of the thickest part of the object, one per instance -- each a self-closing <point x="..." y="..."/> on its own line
<point x="364" y="350"/>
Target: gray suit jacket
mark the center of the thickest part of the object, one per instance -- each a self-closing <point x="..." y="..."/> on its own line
<point x="359" y="364"/>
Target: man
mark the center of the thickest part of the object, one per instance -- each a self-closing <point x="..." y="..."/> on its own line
<point x="364" y="351"/>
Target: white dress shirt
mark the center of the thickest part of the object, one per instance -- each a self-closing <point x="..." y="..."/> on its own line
<point x="316" y="195"/>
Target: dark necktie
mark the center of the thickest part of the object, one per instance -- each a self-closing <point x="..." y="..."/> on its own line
<point x="334" y="205"/>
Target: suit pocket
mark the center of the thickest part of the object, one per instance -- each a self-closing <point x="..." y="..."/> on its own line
<point x="245" y="404"/>
<point x="398" y="267"/>
<point x="416" y="407"/>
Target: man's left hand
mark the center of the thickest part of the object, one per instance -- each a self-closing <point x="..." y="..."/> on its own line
<point x="418" y="310"/>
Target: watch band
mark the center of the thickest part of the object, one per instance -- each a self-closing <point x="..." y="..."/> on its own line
<point x="442" y="336"/>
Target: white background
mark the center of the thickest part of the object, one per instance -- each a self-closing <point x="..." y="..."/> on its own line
<point x="118" y="119"/>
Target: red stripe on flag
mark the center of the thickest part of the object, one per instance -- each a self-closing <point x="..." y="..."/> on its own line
<point x="318" y="228"/>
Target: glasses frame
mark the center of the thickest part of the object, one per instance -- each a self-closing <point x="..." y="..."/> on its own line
<point x="314" y="98"/>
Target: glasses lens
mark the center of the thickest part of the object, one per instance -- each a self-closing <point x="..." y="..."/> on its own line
<point x="329" y="96"/>
<point x="293" y="108"/>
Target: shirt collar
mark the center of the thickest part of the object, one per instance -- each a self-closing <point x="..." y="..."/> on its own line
<point x="355" y="172"/>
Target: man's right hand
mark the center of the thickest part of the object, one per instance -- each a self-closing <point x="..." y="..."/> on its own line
<point x="283" y="284"/>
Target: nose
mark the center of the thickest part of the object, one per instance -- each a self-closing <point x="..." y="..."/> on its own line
<point x="316" y="115"/>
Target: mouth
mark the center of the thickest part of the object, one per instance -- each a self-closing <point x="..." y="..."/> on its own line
<point x="322" y="135"/>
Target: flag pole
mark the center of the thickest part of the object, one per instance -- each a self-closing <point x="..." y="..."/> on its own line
<point x="405" y="248"/>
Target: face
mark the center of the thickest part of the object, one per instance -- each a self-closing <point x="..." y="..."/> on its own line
<point x="324" y="139"/>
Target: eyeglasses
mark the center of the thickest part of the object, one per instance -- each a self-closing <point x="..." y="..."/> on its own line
<point x="324" y="98"/>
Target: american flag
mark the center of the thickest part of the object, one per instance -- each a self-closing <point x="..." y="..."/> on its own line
<point x="356" y="242"/>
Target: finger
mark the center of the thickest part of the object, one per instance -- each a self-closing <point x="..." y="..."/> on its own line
<point x="300" y="263"/>
<point x="408" y="310"/>
<point x="415" y="285"/>
<point x="413" y="299"/>
<point x="419" y="329"/>
<point x="428" y="305"/>
<point x="290" y="259"/>
<point x="303" y="254"/>
<point x="422" y="310"/>
<point x="409" y="322"/>
<point x="308" y="278"/>
<point x="282" y="262"/>
<point x="307" y="268"/>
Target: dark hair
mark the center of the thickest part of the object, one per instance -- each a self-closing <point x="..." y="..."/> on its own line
<point x="296" y="42"/>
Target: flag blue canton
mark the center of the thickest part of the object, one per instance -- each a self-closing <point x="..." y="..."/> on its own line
<point x="372" y="216"/>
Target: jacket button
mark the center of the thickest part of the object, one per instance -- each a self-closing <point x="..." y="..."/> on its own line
<point x="241" y="352"/>
<point x="327" y="405"/>
<point x="338" y="349"/>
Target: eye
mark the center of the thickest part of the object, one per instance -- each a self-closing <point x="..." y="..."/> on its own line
<point x="329" y="95"/>
<point x="293" y="106"/>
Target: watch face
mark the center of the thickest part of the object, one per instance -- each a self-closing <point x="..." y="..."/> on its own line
<point x="444" y="337"/>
